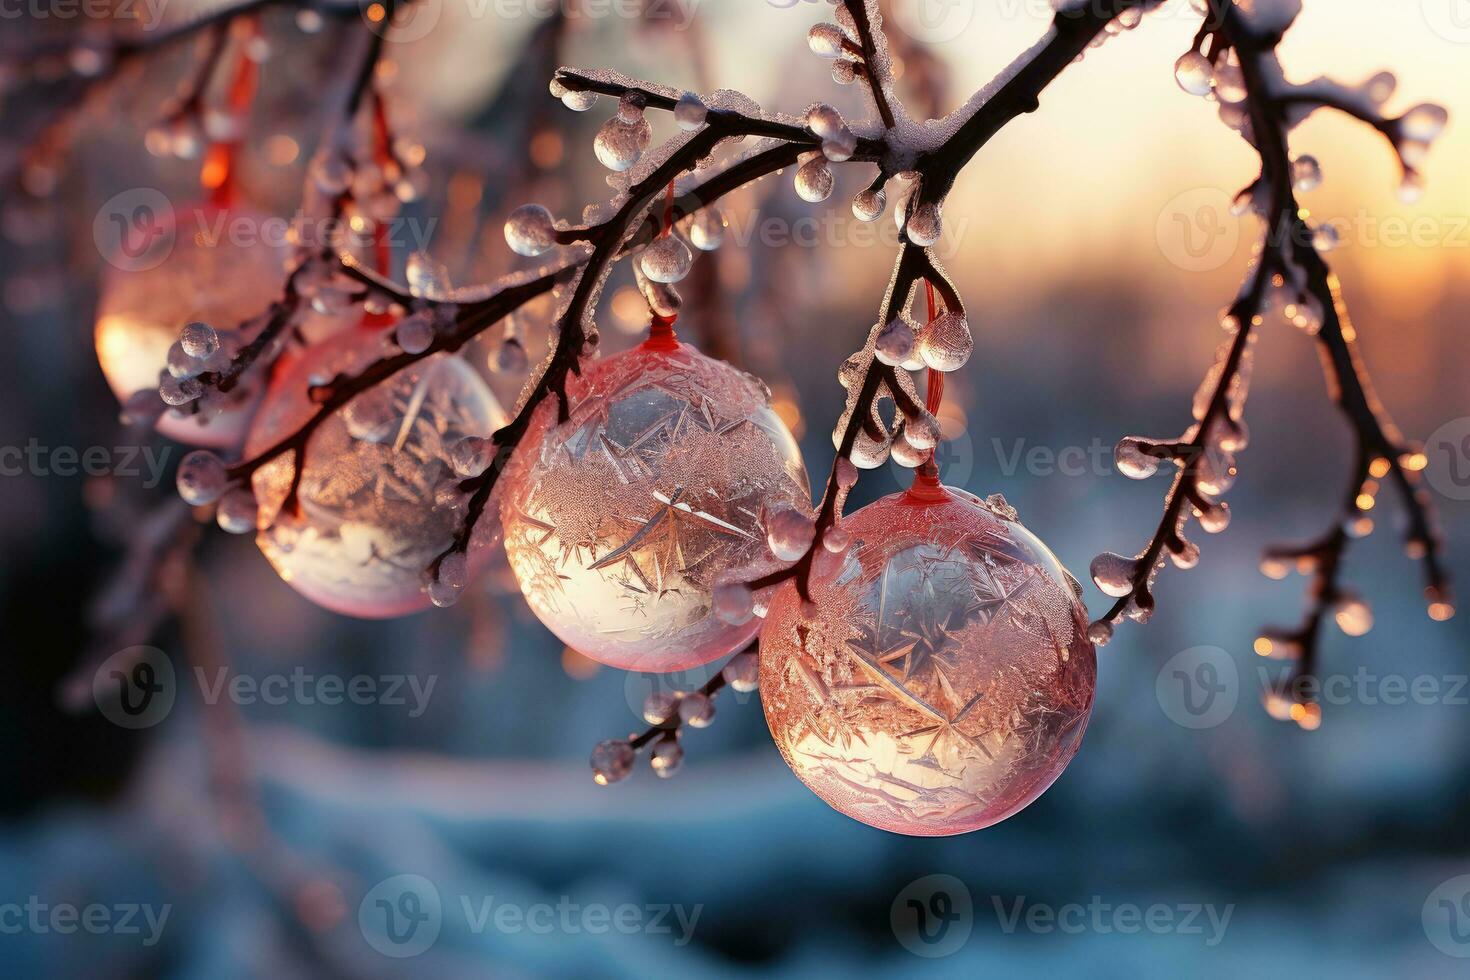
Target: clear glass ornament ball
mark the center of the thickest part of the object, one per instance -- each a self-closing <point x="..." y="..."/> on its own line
<point x="199" y="263"/>
<point x="942" y="677"/>
<point x="377" y="500"/>
<point x="620" y="522"/>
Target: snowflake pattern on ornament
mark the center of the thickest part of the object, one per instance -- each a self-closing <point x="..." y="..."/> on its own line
<point x="623" y="520"/>
<point x="372" y="512"/>
<point x="942" y="679"/>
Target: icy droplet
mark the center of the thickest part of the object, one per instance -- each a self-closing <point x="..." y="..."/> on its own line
<point x="789" y="533"/>
<point x="1411" y="189"/>
<point x="428" y="278"/>
<point x="1194" y="73"/>
<point x="907" y="455"/>
<point x="1185" y="557"/>
<point x="454" y="570"/>
<point x="199" y="340"/>
<point x="577" y="101"/>
<point x="839" y="146"/>
<point x="237" y="511"/>
<point x="611" y="761"/>
<point x="511" y="357"/>
<point x="619" y="144"/>
<point x="1424" y="122"/>
<point x="1381" y="86"/>
<point x="1324" y="238"/>
<point x="894" y="342"/>
<point x="1100" y="633"/>
<point x="945" y="343"/>
<point x="471" y="455"/>
<point x="180" y="364"/>
<point x="1114" y="574"/>
<point x="742" y="673"/>
<point x="690" y="112"/>
<point x="660" y="707"/>
<point x="734" y="603"/>
<point x="201" y="477"/>
<point x="814" y="180"/>
<point x="1306" y="173"/>
<point x="667" y="260"/>
<point x="530" y="230"/>
<point x="665" y="757"/>
<point x="1352" y="616"/>
<point x="179" y="391"/>
<point x="925" y="225"/>
<point x="824" y="120"/>
<point x="922" y="431"/>
<point x="869" y="205"/>
<point x="847" y="474"/>
<point x="1215" y="518"/>
<point x="825" y="40"/>
<point x="415" y="333"/>
<point x="836" y="539"/>
<point x="707" y="229"/>
<point x="868" y="453"/>
<point x="696" y="710"/>
<point x="1229" y="83"/>
<point x="1133" y="459"/>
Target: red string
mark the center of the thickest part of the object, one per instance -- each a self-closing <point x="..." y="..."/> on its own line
<point x="217" y="174"/>
<point x="934" y="387"/>
<point x="382" y="240"/>
<point x="661" y="328"/>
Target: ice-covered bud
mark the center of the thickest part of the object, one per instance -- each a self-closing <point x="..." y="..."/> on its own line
<point x="1135" y="458"/>
<point x="470" y="456"/>
<point x="742" y="672"/>
<point x="824" y="120"/>
<point x="707" y="228"/>
<point x="179" y="391"/>
<point x="1306" y="173"/>
<point x="1424" y="122"/>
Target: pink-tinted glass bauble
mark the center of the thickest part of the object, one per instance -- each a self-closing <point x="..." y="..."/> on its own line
<point x="377" y="501"/>
<point x="620" y="522"/>
<point x="201" y="263"/>
<point x="942" y="678"/>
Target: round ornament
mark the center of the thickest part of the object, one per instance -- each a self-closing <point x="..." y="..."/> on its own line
<point x="378" y="499"/>
<point x="203" y="264"/>
<point x="620" y="522"/>
<point x="942" y="677"/>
